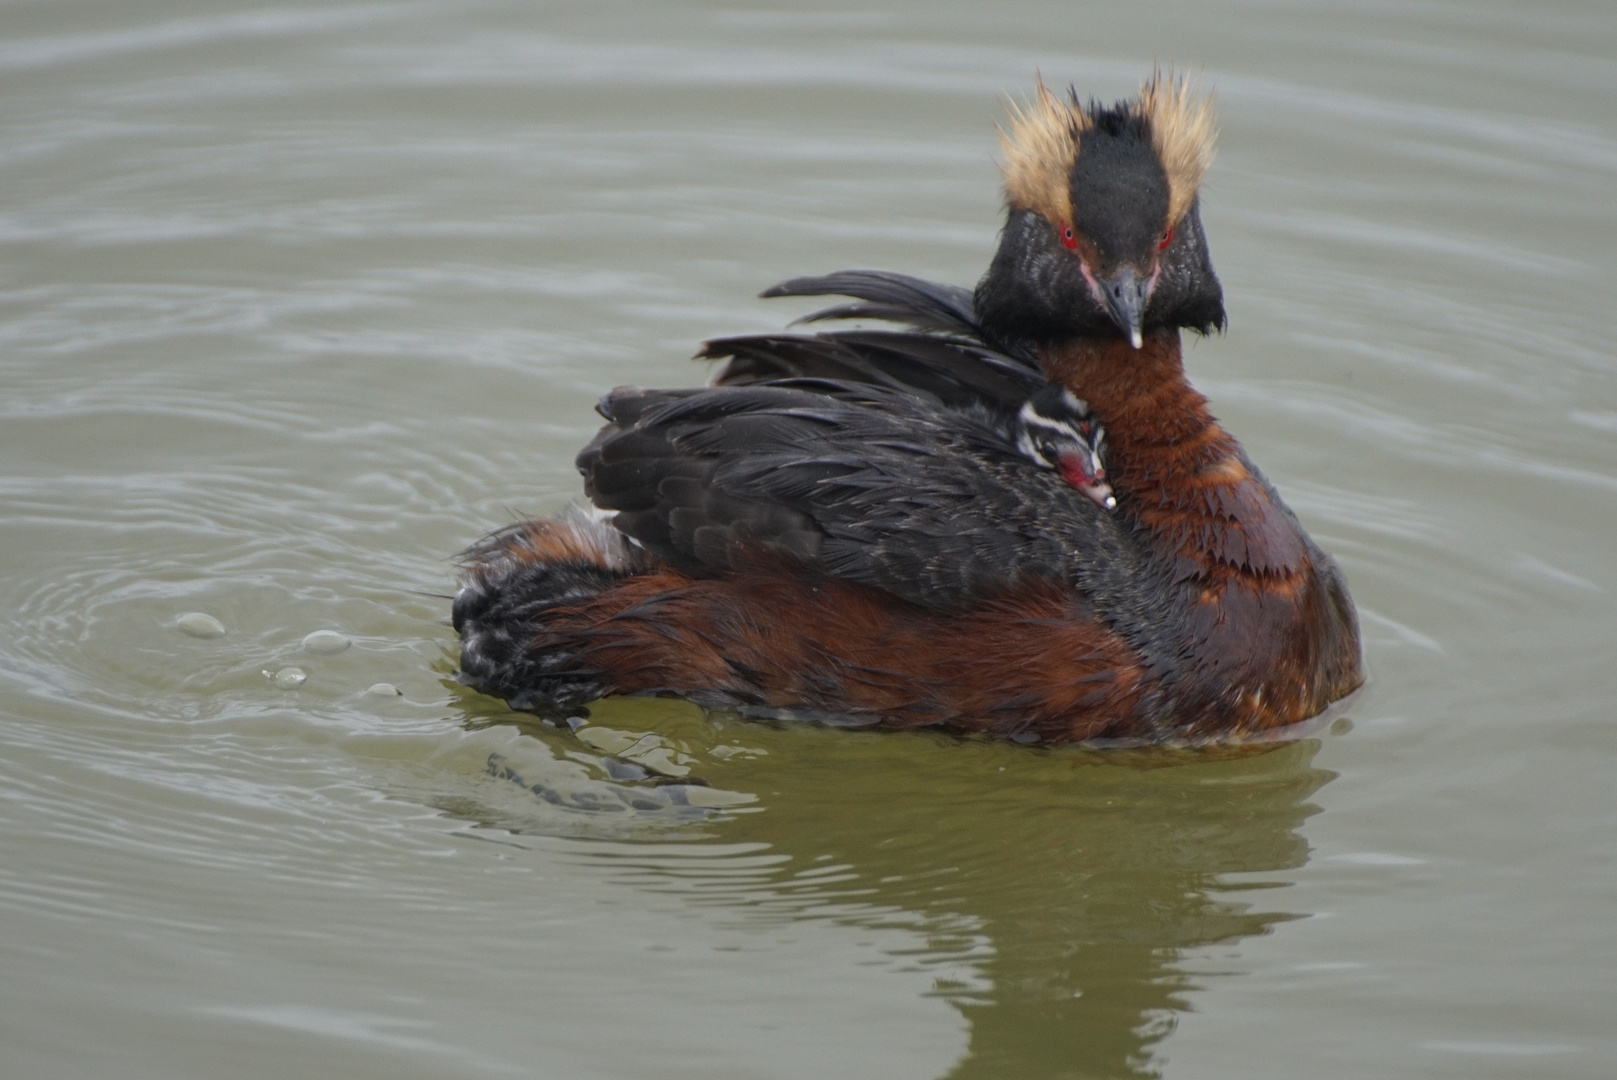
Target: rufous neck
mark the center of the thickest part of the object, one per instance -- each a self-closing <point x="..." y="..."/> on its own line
<point x="1159" y="433"/>
<point x="1270" y="645"/>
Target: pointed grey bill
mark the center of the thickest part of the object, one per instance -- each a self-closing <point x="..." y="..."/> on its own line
<point x="1125" y="294"/>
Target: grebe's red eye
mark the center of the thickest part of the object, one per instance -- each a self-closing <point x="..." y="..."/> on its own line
<point x="1067" y="238"/>
<point x="1167" y="238"/>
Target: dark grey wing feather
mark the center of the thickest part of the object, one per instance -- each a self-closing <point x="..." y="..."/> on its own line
<point x="942" y="357"/>
<point x="924" y="305"/>
<point x="949" y="371"/>
<point x="869" y="484"/>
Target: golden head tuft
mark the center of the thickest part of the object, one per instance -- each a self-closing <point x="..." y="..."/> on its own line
<point x="1183" y="132"/>
<point x="1040" y="148"/>
<point x="1045" y="136"/>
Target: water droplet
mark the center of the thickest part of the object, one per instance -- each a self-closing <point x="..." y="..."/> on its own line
<point x="384" y="689"/>
<point x="325" y="643"/>
<point x="289" y="678"/>
<point x="201" y="625"/>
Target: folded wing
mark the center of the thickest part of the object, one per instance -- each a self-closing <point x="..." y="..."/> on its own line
<point x="870" y="483"/>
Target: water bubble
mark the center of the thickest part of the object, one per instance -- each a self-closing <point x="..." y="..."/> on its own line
<point x="325" y="643"/>
<point x="384" y="689"/>
<point x="199" y="624"/>
<point x="289" y="678"/>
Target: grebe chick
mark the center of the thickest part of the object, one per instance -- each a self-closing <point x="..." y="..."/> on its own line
<point x="1057" y="430"/>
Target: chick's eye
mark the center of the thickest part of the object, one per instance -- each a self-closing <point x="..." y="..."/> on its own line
<point x="1167" y="238"/>
<point x="1067" y="238"/>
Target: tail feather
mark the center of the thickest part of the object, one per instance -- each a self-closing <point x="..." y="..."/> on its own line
<point x="516" y="582"/>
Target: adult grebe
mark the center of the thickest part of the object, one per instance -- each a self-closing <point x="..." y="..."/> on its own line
<point x="902" y="527"/>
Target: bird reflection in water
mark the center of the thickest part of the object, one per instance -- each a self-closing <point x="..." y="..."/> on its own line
<point x="1069" y="884"/>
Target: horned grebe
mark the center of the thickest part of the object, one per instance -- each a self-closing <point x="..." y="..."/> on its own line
<point x="914" y="527"/>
